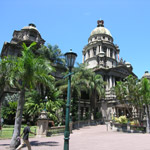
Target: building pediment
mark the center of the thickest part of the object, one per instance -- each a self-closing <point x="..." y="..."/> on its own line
<point x="122" y="71"/>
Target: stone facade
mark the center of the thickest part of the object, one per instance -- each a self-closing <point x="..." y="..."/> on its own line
<point x="27" y="35"/>
<point x="102" y="55"/>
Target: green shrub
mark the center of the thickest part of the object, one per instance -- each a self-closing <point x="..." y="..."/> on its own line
<point x="121" y="119"/>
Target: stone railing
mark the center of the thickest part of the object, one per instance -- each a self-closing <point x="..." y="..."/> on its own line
<point x="83" y="123"/>
<point x="55" y="130"/>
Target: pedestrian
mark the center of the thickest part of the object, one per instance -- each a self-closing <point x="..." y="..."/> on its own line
<point x="26" y="132"/>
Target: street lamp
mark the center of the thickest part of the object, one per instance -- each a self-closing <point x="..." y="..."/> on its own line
<point x="70" y="60"/>
<point x="45" y="101"/>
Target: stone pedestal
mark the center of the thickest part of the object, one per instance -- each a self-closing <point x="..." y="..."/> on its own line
<point x="42" y="124"/>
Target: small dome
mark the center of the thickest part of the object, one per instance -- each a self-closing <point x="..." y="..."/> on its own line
<point x="100" y="29"/>
<point x="30" y="26"/>
<point x="146" y="75"/>
<point x="127" y="63"/>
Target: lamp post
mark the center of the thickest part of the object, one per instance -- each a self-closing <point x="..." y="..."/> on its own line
<point x="45" y="101"/>
<point x="70" y="60"/>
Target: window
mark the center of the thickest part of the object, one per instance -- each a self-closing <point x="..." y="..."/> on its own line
<point x="32" y="36"/>
<point x="94" y="51"/>
<point x="103" y="37"/>
<point x="115" y="56"/>
<point x="105" y="50"/>
<point x="84" y="57"/>
<point x="111" y="53"/>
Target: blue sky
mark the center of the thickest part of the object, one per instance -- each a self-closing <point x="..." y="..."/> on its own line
<point x="68" y="23"/>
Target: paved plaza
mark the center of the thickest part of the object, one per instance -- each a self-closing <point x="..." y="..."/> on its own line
<point x="90" y="138"/>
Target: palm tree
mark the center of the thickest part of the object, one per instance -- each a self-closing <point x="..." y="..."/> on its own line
<point x="4" y="79"/>
<point x="96" y="91"/>
<point x="79" y="84"/>
<point x="25" y="73"/>
<point x="128" y="93"/>
<point x="85" y="79"/>
<point x="145" y="91"/>
<point x="52" y="53"/>
<point x="122" y="92"/>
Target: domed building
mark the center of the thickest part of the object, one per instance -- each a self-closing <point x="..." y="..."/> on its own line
<point x="146" y="75"/>
<point x="102" y="55"/>
<point x="27" y="34"/>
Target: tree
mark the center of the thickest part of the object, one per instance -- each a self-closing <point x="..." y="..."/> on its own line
<point x="135" y="93"/>
<point x="79" y="84"/>
<point x="145" y="91"/>
<point x="4" y="79"/>
<point x="25" y="73"/>
<point x="96" y="91"/>
<point x="34" y="105"/>
<point x="125" y="92"/>
<point x="52" y="53"/>
<point x="9" y="108"/>
<point x="85" y="79"/>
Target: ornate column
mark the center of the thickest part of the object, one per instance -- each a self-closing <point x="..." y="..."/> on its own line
<point x="42" y="124"/>
<point x="114" y="81"/>
<point x="91" y="53"/>
<point x="107" y="52"/>
<point x="110" y="82"/>
<point x="83" y="57"/>
<point x="113" y="54"/>
<point x="98" y="49"/>
<point x="107" y="80"/>
<point x="86" y="55"/>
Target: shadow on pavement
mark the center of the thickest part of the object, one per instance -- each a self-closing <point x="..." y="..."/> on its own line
<point x="4" y="144"/>
<point x="37" y="143"/>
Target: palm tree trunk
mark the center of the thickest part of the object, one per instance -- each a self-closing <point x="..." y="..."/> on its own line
<point x="79" y="114"/>
<point x="1" y="101"/>
<point x="18" y="120"/>
<point x="147" y="120"/>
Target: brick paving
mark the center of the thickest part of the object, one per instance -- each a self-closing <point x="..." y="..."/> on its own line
<point x="90" y="138"/>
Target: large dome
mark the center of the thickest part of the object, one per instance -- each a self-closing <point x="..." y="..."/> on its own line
<point x="100" y="29"/>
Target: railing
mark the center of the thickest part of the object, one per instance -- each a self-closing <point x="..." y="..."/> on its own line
<point x="80" y="124"/>
<point x="73" y="125"/>
<point x="55" y="130"/>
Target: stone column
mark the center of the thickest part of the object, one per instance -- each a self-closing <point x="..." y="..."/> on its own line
<point x="86" y="55"/>
<point x="100" y="46"/>
<point x="113" y="54"/>
<point x="83" y="58"/>
<point x="91" y="53"/>
<point x="107" y="52"/>
<point x="98" y="49"/>
<point x="114" y="81"/>
<point x="110" y="82"/>
<point x="42" y="125"/>
<point x="107" y="80"/>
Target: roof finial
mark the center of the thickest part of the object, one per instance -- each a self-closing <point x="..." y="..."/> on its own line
<point x="100" y="23"/>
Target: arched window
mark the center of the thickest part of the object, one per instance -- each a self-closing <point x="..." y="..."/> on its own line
<point x="94" y="51"/>
<point x="111" y="53"/>
<point x="105" y="50"/>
